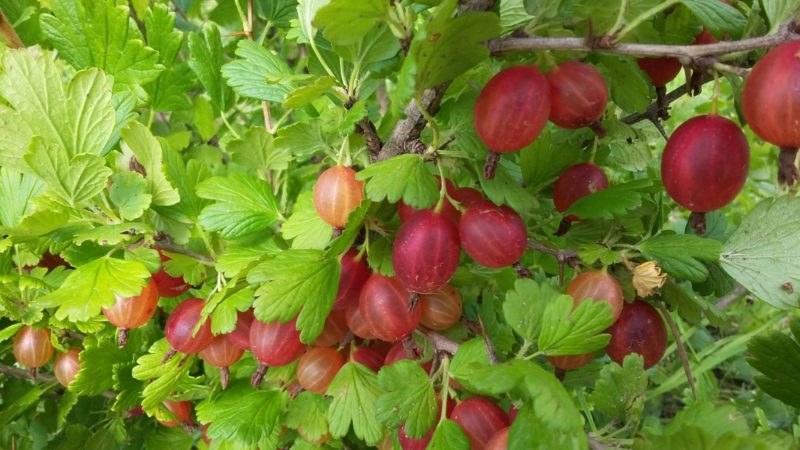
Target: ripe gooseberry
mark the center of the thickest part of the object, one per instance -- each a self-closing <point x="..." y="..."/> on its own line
<point x="493" y="236"/>
<point x="181" y="411"/>
<point x="179" y="329"/>
<point x="575" y="183"/>
<point x="480" y="418"/>
<point x="578" y="96"/>
<point x="317" y="368"/>
<point x="66" y="366"/>
<point x="221" y="353"/>
<point x="448" y="210"/>
<point x="367" y="356"/>
<point x="240" y="335"/>
<point x="771" y="102"/>
<point x="426" y="252"/>
<point x="168" y="286"/>
<point x="132" y="312"/>
<point x="499" y="441"/>
<point x="274" y="344"/>
<point x="352" y="277"/>
<point x="511" y="111"/>
<point x="384" y="307"/>
<point x="467" y="196"/>
<point x="441" y="309"/>
<point x="335" y="328"/>
<point x="639" y="329"/>
<point x="705" y="163"/>
<point x="337" y="194"/>
<point x="661" y="71"/>
<point x="32" y="347"/>
<point x="356" y="323"/>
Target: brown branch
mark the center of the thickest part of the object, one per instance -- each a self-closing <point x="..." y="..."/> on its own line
<point x="563" y="256"/>
<point x="367" y="128"/>
<point x="736" y="293"/>
<point x="676" y="334"/>
<point x="9" y="33"/>
<point x="441" y="342"/>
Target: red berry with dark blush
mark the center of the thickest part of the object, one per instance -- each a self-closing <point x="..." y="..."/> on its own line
<point x="356" y="323"/>
<point x="275" y="343"/>
<point x="441" y="309"/>
<point x="660" y="70"/>
<point x="599" y="286"/>
<point x="575" y="183"/>
<point x="512" y="109"/>
<point x="32" y="347"/>
<point x="493" y="236"/>
<point x="426" y="252"/>
<point x="480" y="418"/>
<point x="335" y="328"/>
<point x="132" y="312"/>
<point x="448" y="210"/>
<point x="66" y="366"/>
<point x="578" y="95"/>
<point x="181" y="411"/>
<point x="240" y="335"/>
<point x="337" y="194"/>
<point x="168" y="286"/>
<point x="467" y="196"/>
<point x="352" y="277"/>
<point x="180" y="325"/>
<point x="221" y="353"/>
<point x="367" y="356"/>
<point x="705" y="163"/>
<point x="317" y="368"/>
<point x="398" y="353"/>
<point x="639" y="329"/>
<point x="384" y="306"/>
<point x="570" y="362"/>
<point x="499" y="441"/>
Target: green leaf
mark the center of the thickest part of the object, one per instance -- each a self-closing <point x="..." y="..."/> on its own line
<point x="168" y="92"/>
<point x="22" y="403"/>
<point x="129" y="194"/>
<point x="108" y="235"/>
<point x="91" y="287"/>
<point x="16" y="192"/>
<point x="494" y="380"/>
<point x="305" y="228"/>
<point x="256" y="151"/>
<point x="612" y="201"/>
<point x="628" y="85"/>
<point x="525" y="305"/>
<point x="355" y="394"/>
<point x="98" y="359"/>
<point x="680" y="255"/>
<point x="141" y="142"/>
<point x="718" y="17"/>
<point x="778" y="12"/>
<point x="308" y="414"/>
<point x="185" y="177"/>
<point x="258" y="73"/>
<point x="100" y="34"/>
<point x="409" y="399"/>
<point x="223" y="319"/>
<point x="691" y="306"/>
<point x="163" y="378"/>
<point x="620" y="390"/>
<point x="574" y="332"/>
<point x="378" y="45"/>
<point x="448" y="436"/>
<point x="190" y="269"/>
<point x="505" y="189"/>
<point x="302" y="139"/>
<point x="546" y="158"/>
<point x="243" y="413"/>
<point x="762" y="253"/>
<point x="206" y="62"/>
<point x="173" y="438"/>
<point x="305" y="95"/>
<point x="403" y="177"/>
<point x="776" y="355"/>
<point x="295" y="281"/>
<point x="470" y="354"/>
<point x="244" y="205"/>
<point x="345" y="22"/>
<point x="9" y="331"/>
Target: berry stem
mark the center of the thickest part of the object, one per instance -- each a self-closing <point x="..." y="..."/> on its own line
<point x="122" y="339"/>
<point x="169" y="355"/>
<point x="224" y="375"/>
<point x="662" y="103"/>
<point x="597" y="127"/>
<point x="787" y="169"/>
<point x="492" y="159"/>
<point x="258" y="375"/>
<point x="697" y="220"/>
<point x="522" y="271"/>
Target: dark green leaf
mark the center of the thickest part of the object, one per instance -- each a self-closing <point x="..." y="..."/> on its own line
<point x="681" y="255"/>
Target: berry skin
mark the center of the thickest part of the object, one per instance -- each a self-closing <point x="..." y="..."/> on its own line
<point x="275" y="343"/>
<point x="480" y="418"/>
<point x="441" y="309"/>
<point x="317" y="368"/>
<point x="426" y="252"/>
<point x="660" y="70"/>
<point x="32" y="347"/>
<point x="352" y="277"/>
<point x="385" y="309"/>
<point x="512" y="109"/>
<point x="181" y="410"/>
<point x="335" y="328"/>
<point x="66" y="366"/>
<point x="337" y="194"/>
<point x="578" y="95"/>
<point x="132" y="312"/>
<point x="168" y="286"/>
<point x="240" y="336"/>
<point x="493" y="236"/>
<point x="368" y="357"/>
<point x="499" y="441"/>
<point x="221" y="353"/>
<point x="180" y="326"/>
<point x="575" y="183"/>
<point x="639" y="329"/>
<point x="705" y="163"/>
<point x="448" y="210"/>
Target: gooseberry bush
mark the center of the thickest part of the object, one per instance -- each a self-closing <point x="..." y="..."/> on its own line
<point x="399" y="224"/>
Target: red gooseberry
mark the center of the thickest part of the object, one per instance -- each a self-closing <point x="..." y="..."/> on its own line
<point x="441" y="309"/>
<point x="352" y="277"/>
<point x="240" y="335"/>
<point x="168" y="286"/>
<point x="480" y="418"/>
<point x="32" y="347"/>
<point x="448" y="210"/>
<point x="639" y="329"/>
<point x="493" y="236"/>
<point x="179" y="329"/>
<point x="182" y="411"/>
<point x="221" y="353"/>
<point x="317" y="368"/>
<point x="66" y="366"/>
<point x="575" y="183"/>
<point x="578" y="96"/>
<point x="384" y="306"/>
<point x="426" y="252"/>
<point x="335" y="328"/>
<point x="274" y="344"/>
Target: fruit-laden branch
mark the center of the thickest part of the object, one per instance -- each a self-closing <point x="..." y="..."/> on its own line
<point x="9" y="34"/>
<point x="786" y="32"/>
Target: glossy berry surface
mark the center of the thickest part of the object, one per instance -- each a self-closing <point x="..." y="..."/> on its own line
<point x="441" y="309"/>
<point x="133" y="312"/>
<point x="426" y="252"/>
<point x="570" y="362"/>
<point x="317" y="368"/>
<point x="467" y="196"/>
<point x="639" y="329"/>
<point x="499" y="441"/>
<point x="221" y="352"/>
<point x="335" y="328"/>
<point x="275" y="343"/>
<point x="240" y="335"/>
<point x="168" y="286"/>
<point x="771" y="96"/>
<point x="356" y="323"/>
<point x="480" y="418"/>
<point x="704" y="38"/>
<point x="705" y="163"/>
<point x="597" y="285"/>
<point x="32" y="347"/>
<point x="660" y="70"/>
<point x="409" y="443"/>
<point x="578" y="95"/>
<point x="66" y="366"/>
<point x="180" y="326"/>
<point x="385" y="309"/>
<point x="336" y="194"/>
<point x="367" y="356"/>
<point x="512" y="109"/>
<point x="448" y="210"/>
<point x="182" y="411"/>
<point x="398" y="353"/>
<point x="493" y="236"/>
<point x="577" y="182"/>
<point x="352" y="277"/>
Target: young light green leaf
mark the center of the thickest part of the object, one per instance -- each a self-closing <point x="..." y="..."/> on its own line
<point x="620" y="390"/>
<point x="345" y="22"/>
<point x="302" y="140"/>
<point x="163" y="378"/>
<point x="244" y="205"/>
<point x="91" y="287"/>
<point x="185" y="176"/>
<point x="305" y="228"/>
<point x="304" y="95"/>
<point x="524" y="306"/>
<point x="223" y="319"/>
<point x="448" y="436"/>
<point x="113" y="234"/>
<point x="243" y="413"/>
<point x="206" y="62"/>
<point x="147" y="149"/>
<point x="251" y="73"/>
<point x="257" y="152"/>
<point x="504" y="188"/>
<point x="308" y="414"/>
<point x="681" y="255"/>
<point x="129" y="194"/>
<point x="470" y="354"/>
<point x="9" y="331"/>
<point x="168" y="92"/>
<point x="574" y="332"/>
<point x="355" y="394"/>
<point x="190" y="269"/>
<point x="409" y="398"/>
<point x="98" y="359"/>
<point x="16" y="192"/>
<point x="296" y="281"/>
<point x="762" y="253"/>
<point x="402" y="177"/>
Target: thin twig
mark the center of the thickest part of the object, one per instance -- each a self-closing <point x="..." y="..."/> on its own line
<point x="166" y="243"/>
<point x="736" y="293"/>
<point x="9" y="33"/>
<point x="676" y="334"/>
<point x="440" y="342"/>
<point x="488" y="342"/>
<point x="40" y="377"/>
